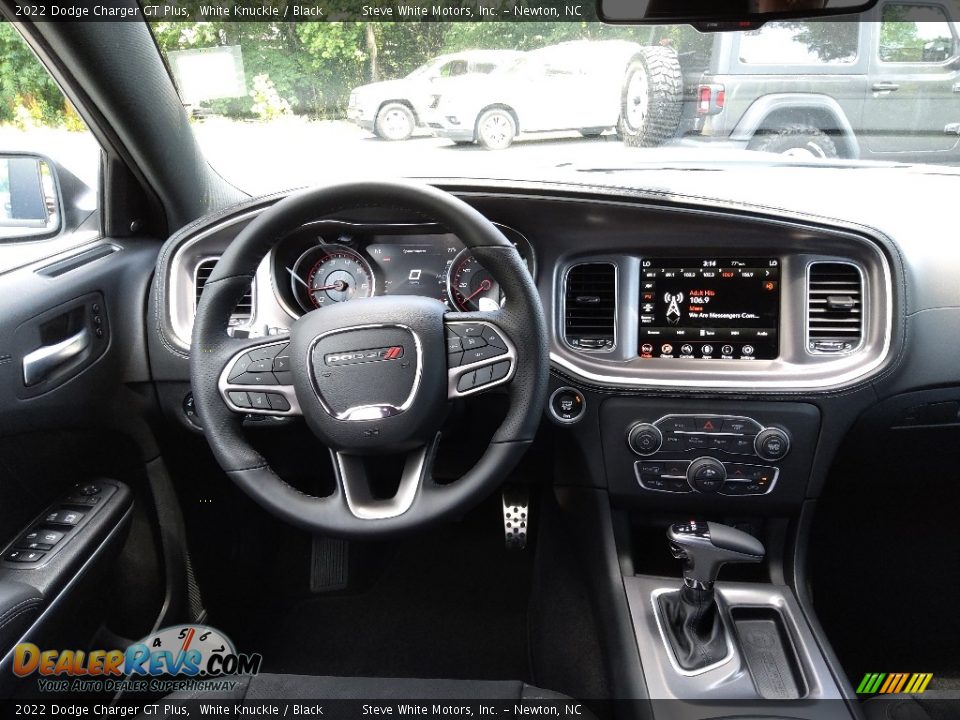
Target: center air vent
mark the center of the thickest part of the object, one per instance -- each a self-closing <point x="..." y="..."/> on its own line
<point x="244" y="310"/>
<point x="590" y="306"/>
<point x="834" y="308"/>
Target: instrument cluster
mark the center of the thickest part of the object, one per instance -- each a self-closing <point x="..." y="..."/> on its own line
<point x="331" y="261"/>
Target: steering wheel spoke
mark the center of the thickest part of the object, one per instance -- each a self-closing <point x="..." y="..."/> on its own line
<point x="480" y="355"/>
<point x="257" y="379"/>
<point x="353" y="474"/>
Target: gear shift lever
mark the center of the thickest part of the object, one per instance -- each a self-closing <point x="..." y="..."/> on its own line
<point x="708" y="546"/>
<point x="691" y="617"/>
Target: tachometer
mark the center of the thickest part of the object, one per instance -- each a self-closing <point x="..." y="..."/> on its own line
<point x="330" y="274"/>
<point x="470" y="287"/>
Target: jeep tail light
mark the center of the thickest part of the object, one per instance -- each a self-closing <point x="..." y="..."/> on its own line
<point x="704" y="99"/>
<point x="710" y="99"/>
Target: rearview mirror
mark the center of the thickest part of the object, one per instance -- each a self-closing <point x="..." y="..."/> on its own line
<point x="722" y="15"/>
<point x="29" y="198"/>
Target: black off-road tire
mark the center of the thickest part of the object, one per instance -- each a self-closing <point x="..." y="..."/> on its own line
<point x="664" y="83"/>
<point x="797" y="140"/>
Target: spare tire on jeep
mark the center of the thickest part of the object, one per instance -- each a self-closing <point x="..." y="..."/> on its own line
<point x="651" y="98"/>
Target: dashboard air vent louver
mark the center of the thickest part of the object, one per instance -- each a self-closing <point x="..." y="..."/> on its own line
<point x="590" y="306"/>
<point x="834" y="308"/>
<point x="244" y="309"/>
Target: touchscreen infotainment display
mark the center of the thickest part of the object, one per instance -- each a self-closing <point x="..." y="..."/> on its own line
<point x="710" y="308"/>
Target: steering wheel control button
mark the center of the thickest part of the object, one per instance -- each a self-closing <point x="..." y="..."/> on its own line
<point x="706" y="474"/>
<point x="260" y="366"/>
<point x="278" y="402"/>
<point x="500" y="370"/>
<point x="483" y="376"/>
<point x="266" y="353"/>
<point x="468" y="330"/>
<point x="482" y="353"/>
<point x="255" y="378"/>
<point x="467" y="381"/>
<point x="644" y="439"/>
<point x="281" y="364"/>
<point x="567" y="405"/>
<point x="454" y="344"/>
<point x="240" y="366"/>
<point x="772" y="444"/>
<point x="491" y="337"/>
<point x="240" y="399"/>
<point x="258" y="401"/>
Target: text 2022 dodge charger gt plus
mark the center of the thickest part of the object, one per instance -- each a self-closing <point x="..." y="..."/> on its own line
<point x="295" y="422"/>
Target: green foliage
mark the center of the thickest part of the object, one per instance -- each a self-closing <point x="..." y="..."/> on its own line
<point x="28" y="95"/>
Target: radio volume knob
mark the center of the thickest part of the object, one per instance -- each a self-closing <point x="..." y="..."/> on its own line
<point x="772" y="444"/>
<point x="644" y="439"/>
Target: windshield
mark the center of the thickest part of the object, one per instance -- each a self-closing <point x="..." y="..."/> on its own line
<point x="278" y="105"/>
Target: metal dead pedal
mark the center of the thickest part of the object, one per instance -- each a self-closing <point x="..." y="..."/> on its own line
<point x="329" y="567"/>
<point x="516" y="517"/>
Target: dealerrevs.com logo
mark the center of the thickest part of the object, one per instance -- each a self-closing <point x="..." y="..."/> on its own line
<point x="187" y="652"/>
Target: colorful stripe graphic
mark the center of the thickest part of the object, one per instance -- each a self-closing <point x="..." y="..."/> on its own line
<point x="892" y="683"/>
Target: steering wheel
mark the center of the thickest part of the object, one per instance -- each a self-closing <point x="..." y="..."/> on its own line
<point x="370" y="376"/>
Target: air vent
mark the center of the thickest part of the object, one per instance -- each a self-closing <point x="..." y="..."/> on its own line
<point x="244" y="309"/>
<point x="590" y="306"/>
<point x="834" y="308"/>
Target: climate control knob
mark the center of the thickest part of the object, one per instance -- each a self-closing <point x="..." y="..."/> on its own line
<point x="706" y="474"/>
<point x="772" y="444"/>
<point x="644" y="439"/>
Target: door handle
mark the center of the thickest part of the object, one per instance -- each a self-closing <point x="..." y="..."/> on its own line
<point x="885" y="86"/>
<point x="38" y="365"/>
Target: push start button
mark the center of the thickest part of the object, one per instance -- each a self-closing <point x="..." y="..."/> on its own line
<point x="567" y="405"/>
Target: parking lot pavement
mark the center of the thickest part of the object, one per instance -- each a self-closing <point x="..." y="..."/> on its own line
<point x="287" y="153"/>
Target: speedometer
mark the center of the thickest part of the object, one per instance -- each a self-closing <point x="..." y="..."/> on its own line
<point x="328" y="274"/>
<point x="470" y="286"/>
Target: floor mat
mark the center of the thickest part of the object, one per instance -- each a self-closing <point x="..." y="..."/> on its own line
<point x="884" y="551"/>
<point x="451" y="603"/>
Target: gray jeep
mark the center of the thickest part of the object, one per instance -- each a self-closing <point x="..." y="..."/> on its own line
<point x="847" y="89"/>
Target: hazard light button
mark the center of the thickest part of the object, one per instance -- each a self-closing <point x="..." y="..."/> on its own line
<point x="708" y="424"/>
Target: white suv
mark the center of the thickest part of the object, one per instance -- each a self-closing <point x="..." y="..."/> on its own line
<point x="392" y="109"/>
<point x="570" y="86"/>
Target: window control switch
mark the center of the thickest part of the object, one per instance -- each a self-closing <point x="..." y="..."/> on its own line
<point x="40" y="539"/>
<point x="63" y="517"/>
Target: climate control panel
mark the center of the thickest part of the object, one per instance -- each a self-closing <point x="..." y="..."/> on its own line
<point x="706" y="475"/>
<point x="680" y="454"/>
<point x="731" y="434"/>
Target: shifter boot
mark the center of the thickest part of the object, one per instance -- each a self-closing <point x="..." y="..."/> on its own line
<point x="692" y="623"/>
